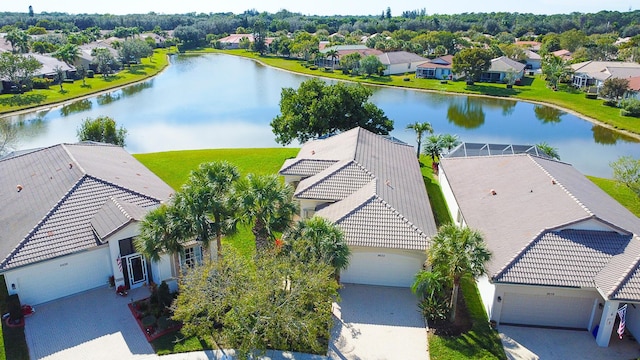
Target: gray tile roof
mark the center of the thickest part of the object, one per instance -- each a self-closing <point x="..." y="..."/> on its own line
<point x="63" y="186"/>
<point x="114" y="215"/>
<point x="399" y="57"/>
<point x="334" y="183"/>
<point x="620" y="279"/>
<point x="504" y="64"/>
<point x="570" y="258"/>
<point x="363" y="157"/>
<point x="305" y="167"/>
<point x="535" y="195"/>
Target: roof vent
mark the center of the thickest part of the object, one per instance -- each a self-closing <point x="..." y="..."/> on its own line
<point x="313" y="152"/>
<point x="19" y="187"/>
<point x="70" y="165"/>
<point x="493" y="192"/>
<point x="553" y="182"/>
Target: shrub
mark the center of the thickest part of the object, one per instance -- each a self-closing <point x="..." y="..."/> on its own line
<point x="13" y="305"/>
<point x="42" y="83"/>
<point x="630" y="107"/>
<point x="313" y="67"/>
<point x="434" y="308"/>
<point x="164" y="296"/>
<point x="591" y="96"/>
<point x="148" y="320"/>
<point x="90" y="73"/>
<point x="68" y="81"/>
<point x="611" y="103"/>
<point x="405" y="79"/>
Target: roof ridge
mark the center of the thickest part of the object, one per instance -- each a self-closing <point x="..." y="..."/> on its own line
<point x="558" y="183"/>
<point x="332" y="173"/>
<point x="116" y="201"/>
<point x="123" y="188"/>
<point x="399" y="214"/>
<point x="26" y="152"/>
<point x="64" y="146"/>
<point x="37" y="227"/>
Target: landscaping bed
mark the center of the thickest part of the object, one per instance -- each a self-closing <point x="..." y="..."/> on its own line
<point x="154" y="320"/>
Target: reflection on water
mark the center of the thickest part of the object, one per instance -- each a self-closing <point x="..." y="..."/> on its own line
<point x="547" y="114"/>
<point x="220" y="101"/>
<point x="606" y="136"/>
<point x="467" y="113"/>
<point x="76" y="106"/>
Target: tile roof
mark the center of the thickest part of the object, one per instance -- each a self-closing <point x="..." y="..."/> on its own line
<point x="603" y="70"/>
<point x="62" y="187"/>
<point x="376" y="176"/>
<point x="534" y="196"/>
<point x="570" y="258"/>
<point x="114" y="215"/>
<point x="620" y="279"/>
<point x="503" y="64"/>
<point x="305" y="167"/>
<point x="399" y="57"/>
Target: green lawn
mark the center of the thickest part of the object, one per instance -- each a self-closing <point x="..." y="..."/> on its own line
<point x="533" y="89"/>
<point x="38" y="97"/>
<point x="621" y="193"/>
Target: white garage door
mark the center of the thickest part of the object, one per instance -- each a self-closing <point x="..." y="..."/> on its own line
<point x="60" y="277"/>
<point x="383" y="267"/>
<point x="546" y="310"/>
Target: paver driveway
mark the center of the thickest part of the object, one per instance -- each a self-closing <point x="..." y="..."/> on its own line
<point x="96" y="324"/>
<point x="378" y="322"/>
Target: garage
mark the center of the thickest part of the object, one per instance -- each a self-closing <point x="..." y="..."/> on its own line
<point x="60" y="277"/>
<point x="546" y="310"/>
<point x="387" y="267"/>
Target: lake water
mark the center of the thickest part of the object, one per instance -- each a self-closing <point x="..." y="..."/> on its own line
<point x="220" y="101"/>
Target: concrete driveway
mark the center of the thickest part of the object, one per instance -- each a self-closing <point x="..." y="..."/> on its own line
<point x="96" y="324"/>
<point x="376" y="323"/>
<point x="526" y="343"/>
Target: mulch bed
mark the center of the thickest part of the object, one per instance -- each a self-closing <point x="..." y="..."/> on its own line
<point x="460" y="326"/>
<point x="152" y="334"/>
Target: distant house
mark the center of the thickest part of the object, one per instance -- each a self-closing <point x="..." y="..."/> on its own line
<point x="438" y="68"/>
<point x="49" y="65"/>
<point x="87" y="51"/>
<point x="343" y="50"/>
<point x="565" y="55"/>
<point x="533" y="60"/>
<point x="530" y="45"/>
<point x="564" y="253"/>
<point x="595" y="73"/>
<point x="400" y="62"/>
<point x="69" y="214"/>
<point x="633" y="90"/>
<point x="500" y="67"/>
<point x="371" y="187"/>
<point x="233" y="41"/>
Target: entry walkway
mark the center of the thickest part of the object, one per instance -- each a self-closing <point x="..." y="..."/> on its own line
<point x="378" y="322"/>
<point x="96" y="324"/>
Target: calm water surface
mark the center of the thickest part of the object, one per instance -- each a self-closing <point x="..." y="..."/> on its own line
<point x="219" y="101"/>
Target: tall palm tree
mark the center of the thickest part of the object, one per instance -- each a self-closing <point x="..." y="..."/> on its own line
<point x="449" y="141"/>
<point x="420" y="128"/>
<point x="433" y="147"/>
<point x="208" y="195"/>
<point x="161" y="231"/>
<point x="318" y="239"/>
<point x="456" y="252"/>
<point x="548" y="150"/>
<point x="68" y="53"/>
<point x="267" y="204"/>
<point x="333" y="55"/>
<point x="207" y="198"/>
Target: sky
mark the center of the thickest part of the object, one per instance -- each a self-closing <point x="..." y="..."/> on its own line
<point x="323" y="7"/>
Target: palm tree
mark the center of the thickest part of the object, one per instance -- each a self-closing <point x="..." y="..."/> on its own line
<point x="68" y="53"/>
<point x="456" y="252"/>
<point x="333" y="55"/>
<point x="161" y="231"/>
<point x="548" y="150"/>
<point x="318" y="239"/>
<point x="18" y="39"/>
<point x="266" y="203"/>
<point x="449" y="141"/>
<point x="420" y="128"/>
<point x="208" y="197"/>
<point x="433" y="148"/>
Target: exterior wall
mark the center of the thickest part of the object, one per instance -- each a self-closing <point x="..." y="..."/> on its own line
<point x="385" y="267"/>
<point x="439" y="73"/>
<point x="535" y="63"/>
<point x="590" y="224"/>
<point x="307" y="207"/>
<point x="395" y="69"/>
<point x="60" y="277"/>
<point x="452" y="204"/>
<point x="131" y="230"/>
<point x="487" y="293"/>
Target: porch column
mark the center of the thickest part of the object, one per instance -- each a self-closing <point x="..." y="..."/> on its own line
<point x="606" y="322"/>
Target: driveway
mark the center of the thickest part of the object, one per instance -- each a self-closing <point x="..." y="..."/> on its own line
<point x="527" y="343"/>
<point x="96" y="324"/>
<point x="376" y="323"/>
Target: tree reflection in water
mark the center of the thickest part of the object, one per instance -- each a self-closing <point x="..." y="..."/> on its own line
<point x="606" y="136"/>
<point x="467" y="113"/>
<point x="547" y="114"/>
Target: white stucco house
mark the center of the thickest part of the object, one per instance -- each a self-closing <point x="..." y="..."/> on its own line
<point x="565" y="254"/>
<point x="70" y="213"/>
<point x="502" y="66"/>
<point x="438" y="68"/>
<point x="400" y="62"/>
<point x="371" y="187"/>
<point x="595" y="73"/>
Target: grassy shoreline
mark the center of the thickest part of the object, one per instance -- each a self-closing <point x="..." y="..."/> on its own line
<point x="534" y="90"/>
<point x="11" y="104"/>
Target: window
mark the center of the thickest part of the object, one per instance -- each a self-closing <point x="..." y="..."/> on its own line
<point x="191" y="257"/>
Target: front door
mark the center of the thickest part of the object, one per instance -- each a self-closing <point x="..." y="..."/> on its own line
<point x="137" y="270"/>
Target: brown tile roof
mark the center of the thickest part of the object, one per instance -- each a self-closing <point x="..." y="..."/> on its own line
<point x="63" y="187"/>
<point x="397" y="192"/>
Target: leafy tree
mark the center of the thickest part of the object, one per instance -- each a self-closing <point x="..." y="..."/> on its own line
<point x="267" y="204"/>
<point x="18" y="39"/>
<point x="208" y="201"/>
<point x="630" y="107"/>
<point x="472" y="62"/>
<point x="190" y="36"/>
<point x="68" y="53"/>
<point x="318" y="240"/>
<point x="456" y="252"/>
<point x="259" y="37"/>
<point x="614" y="88"/>
<point x="371" y="65"/>
<point x="274" y="302"/>
<point x="18" y="69"/>
<point x="554" y="69"/>
<point x="43" y="47"/>
<point x="431" y="287"/>
<point x="350" y="62"/>
<point x="133" y="50"/>
<point x="548" y="150"/>
<point x="420" y="128"/>
<point x="81" y="72"/>
<point x="36" y="30"/>
<point x="60" y="76"/>
<point x="104" y="61"/>
<point x="316" y="109"/>
<point x="572" y="39"/>
<point x="102" y="129"/>
<point x="626" y="171"/>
